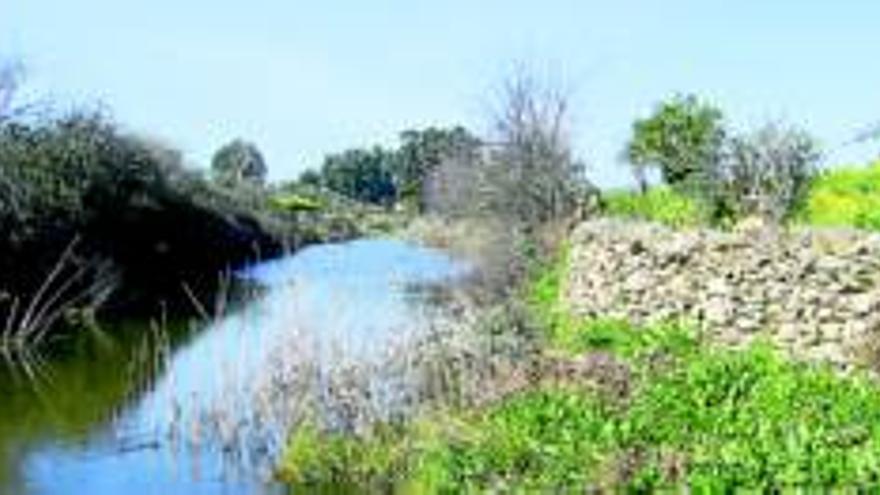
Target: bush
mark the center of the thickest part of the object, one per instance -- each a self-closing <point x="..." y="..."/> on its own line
<point x="844" y="197"/>
<point x="293" y="203"/>
<point x="766" y="173"/>
<point x="659" y="204"/>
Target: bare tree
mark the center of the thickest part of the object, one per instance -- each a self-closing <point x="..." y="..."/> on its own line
<point x="533" y="161"/>
<point x="523" y="182"/>
<point x="10" y="78"/>
<point x="526" y="173"/>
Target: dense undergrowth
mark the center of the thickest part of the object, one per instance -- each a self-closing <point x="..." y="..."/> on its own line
<point x="689" y="414"/>
<point x="94" y="217"/>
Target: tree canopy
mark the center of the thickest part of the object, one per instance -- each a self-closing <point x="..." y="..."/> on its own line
<point x="683" y="138"/>
<point x="383" y="175"/>
<point x="361" y="174"/>
<point x="238" y="162"/>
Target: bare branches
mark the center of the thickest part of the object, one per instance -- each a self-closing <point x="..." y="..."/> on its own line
<point x="531" y="113"/>
<point x="11" y="74"/>
<point x="534" y="161"/>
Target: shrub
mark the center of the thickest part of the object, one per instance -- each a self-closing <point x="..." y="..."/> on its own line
<point x="293" y="203"/>
<point x="765" y="173"/>
<point x="130" y="203"/>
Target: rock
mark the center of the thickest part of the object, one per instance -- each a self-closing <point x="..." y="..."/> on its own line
<point x="862" y="304"/>
<point x="808" y="288"/>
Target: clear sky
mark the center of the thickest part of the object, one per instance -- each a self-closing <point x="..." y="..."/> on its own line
<point x="305" y="78"/>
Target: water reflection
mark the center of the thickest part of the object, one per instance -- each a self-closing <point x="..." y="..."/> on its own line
<point x="206" y="420"/>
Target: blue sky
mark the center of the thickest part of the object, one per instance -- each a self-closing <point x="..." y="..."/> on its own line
<point x="305" y="78"/>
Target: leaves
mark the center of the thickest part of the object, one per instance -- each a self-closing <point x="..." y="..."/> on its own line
<point x="237" y="162"/>
<point x="683" y="138"/>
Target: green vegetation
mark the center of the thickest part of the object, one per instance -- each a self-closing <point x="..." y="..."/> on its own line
<point x="689" y="415"/>
<point x="839" y="197"/>
<point x="95" y="217"/>
<point x="659" y="204"/>
<point x="683" y="138"/>
<point x="846" y="197"/>
<point x="387" y="176"/>
<point x="765" y="172"/>
<point x="239" y="162"/>
<point x="293" y="203"/>
<point x="712" y="419"/>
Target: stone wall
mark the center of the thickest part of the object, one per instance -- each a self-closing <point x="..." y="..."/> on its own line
<point x="813" y="293"/>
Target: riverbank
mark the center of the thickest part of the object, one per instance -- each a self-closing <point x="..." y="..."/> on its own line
<point x="100" y="223"/>
<point x="607" y="404"/>
<point x="137" y="406"/>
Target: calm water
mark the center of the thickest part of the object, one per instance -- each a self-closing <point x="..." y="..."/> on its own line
<point x="110" y="413"/>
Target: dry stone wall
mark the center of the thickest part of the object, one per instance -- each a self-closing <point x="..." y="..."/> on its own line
<point x="813" y="293"/>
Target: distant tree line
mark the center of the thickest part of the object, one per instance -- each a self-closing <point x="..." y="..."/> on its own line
<point x="386" y="176"/>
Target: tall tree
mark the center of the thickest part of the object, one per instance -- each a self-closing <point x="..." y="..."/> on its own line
<point x="239" y="162"/>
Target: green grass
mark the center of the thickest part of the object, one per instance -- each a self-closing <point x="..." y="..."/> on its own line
<point x="716" y="419"/>
<point x="543" y="292"/>
<point x="707" y="418"/>
<point x="845" y="197"/>
<point x="658" y="204"/>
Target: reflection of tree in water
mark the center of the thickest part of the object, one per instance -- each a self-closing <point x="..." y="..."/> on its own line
<point x="64" y="395"/>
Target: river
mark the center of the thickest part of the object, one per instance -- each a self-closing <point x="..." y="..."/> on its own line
<point x="181" y="407"/>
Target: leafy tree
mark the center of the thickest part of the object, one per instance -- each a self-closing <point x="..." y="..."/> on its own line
<point x="239" y="162"/>
<point x="361" y="174"/>
<point x="683" y="138"/>
<point x="310" y="178"/>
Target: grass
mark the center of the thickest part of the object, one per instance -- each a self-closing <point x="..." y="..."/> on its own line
<point x="848" y="197"/>
<point x="710" y="419"/>
<point x="658" y="204"/>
